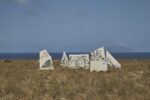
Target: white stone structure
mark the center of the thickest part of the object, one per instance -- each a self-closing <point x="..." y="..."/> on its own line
<point x="78" y="61"/>
<point x="101" y="59"/>
<point x="98" y="66"/>
<point x="111" y="61"/>
<point x="46" y="60"/>
<point x="98" y="54"/>
<point x="98" y="60"/>
<point x="64" y="60"/>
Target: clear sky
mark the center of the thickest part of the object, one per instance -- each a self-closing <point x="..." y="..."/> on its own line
<point x="74" y="25"/>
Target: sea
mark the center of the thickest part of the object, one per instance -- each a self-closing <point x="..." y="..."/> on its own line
<point x="117" y="55"/>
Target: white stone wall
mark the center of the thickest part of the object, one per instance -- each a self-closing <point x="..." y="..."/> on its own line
<point x="79" y="61"/>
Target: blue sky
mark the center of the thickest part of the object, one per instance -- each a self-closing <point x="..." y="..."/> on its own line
<point x="74" y="25"/>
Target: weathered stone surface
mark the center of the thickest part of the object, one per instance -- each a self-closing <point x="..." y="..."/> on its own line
<point x="98" y="54"/>
<point x="46" y="60"/>
<point x="111" y="61"/>
<point x="98" y="60"/>
<point x="64" y="60"/>
<point x="79" y="61"/>
<point x="101" y="59"/>
<point x="98" y="66"/>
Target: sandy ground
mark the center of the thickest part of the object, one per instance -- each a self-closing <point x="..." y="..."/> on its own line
<point x="22" y="80"/>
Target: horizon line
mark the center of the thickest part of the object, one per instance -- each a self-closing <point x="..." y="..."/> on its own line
<point x="80" y="52"/>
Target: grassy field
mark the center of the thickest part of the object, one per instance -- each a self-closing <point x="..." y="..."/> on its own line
<point x="22" y="80"/>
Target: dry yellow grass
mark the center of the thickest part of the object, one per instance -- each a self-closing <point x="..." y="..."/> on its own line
<point x="21" y="80"/>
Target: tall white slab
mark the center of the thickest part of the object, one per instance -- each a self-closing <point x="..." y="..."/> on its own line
<point x="112" y="61"/>
<point x="46" y="60"/>
<point x="64" y="60"/>
<point x="98" y="60"/>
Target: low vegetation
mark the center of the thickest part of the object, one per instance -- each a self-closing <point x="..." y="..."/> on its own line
<point x="22" y="80"/>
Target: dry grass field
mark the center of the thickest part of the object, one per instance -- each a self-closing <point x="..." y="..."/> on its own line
<point x="22" y="80"/>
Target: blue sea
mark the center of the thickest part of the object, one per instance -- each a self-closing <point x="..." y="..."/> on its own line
<point x="118" y="55"/>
